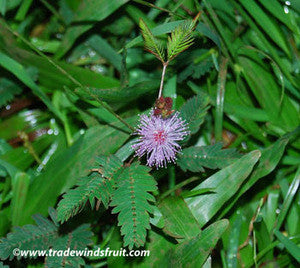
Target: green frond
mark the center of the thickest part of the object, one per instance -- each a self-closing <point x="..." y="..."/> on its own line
<point x="29" y="237"/>
<point x="211" y="156"/>
<point x="131" y="201"/>
<point x="151" y="43"/>
<point x="98" y="185"/>
<point x="194" y="111"/>
<point x="181" y="39"/>
<point x="78" y="239"/>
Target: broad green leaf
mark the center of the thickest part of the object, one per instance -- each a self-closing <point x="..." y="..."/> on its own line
<point x="121" y="95"/>
<point x="226" y="183"/>
<point x="263" y="237"/>
<point x="232" y="243"/>
<point x="104" y="49"/>
<point x="277" y="10"/>
<point x="179" y="221"/>
<point x="21" y="158"/>
<point x="293" y="189"/>
<point x="11" y="170"/>
<point x="90" y="11"/>
<point x="19" y="71"/>
<point x="20" y="185"/>
<point x="212" y="156"/>
<point x="49" y="76"/>
<point x="293" y="217"/>
<point x="194" y="252"/>
<point x="269" y="209"/>
<point x="24" y="7"/>
<point x="267" y="94"/>
<point x="269" y="25"/>
<point x="269" y="160"/>
<point x="291" y="247"/>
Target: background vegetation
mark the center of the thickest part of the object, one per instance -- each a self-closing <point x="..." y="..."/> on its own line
<point x="74" y="76"/>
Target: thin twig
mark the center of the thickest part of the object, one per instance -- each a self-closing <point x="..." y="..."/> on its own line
<point x="75" y="81"/>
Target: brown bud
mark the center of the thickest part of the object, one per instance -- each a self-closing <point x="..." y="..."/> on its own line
<point x="169" y="103"/>
<point x="157" y="112"/>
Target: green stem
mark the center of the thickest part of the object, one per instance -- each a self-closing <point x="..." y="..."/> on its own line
<point x="179" y="185"/>
<point x="165" y="64"/>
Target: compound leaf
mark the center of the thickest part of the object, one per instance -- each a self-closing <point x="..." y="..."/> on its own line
<point x="131" y="201"/>
<point x="98" y="185"/>
<point x="211" y="156"/>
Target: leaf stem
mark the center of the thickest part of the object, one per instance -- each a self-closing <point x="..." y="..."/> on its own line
<point x="165" y="64"/>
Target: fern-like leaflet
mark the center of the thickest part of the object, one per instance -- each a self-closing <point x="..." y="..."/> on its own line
<point x="194" y="111"/>
<point x="151" y="43"/>
<point x="132" y="200"/>
<point x="43" y="236"/>
<point x="181" y="38"/>
<point x="77" y="239"/>
<point x="98" y="185"/>
<point x="40" y="236"/>
<point x="212" y="156"/>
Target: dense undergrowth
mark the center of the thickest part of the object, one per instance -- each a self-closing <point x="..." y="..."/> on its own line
<point x="74" y="78"/>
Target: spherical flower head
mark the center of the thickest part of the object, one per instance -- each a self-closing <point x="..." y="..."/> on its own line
<point x="159" y="138"/>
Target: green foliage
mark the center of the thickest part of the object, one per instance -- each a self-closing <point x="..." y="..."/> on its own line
<point x="226" y="183"/>
<point x="181" y="39"/>
<point x="238" y="83"/>
<point x="131" y="200"/>
<point x="30" y="237"/>
<point x="97" y="186"/>
<point x="151" y="43"/>
<point x="45" y="235"/>
<point x="128" y="189"/>
<point x="188" y="251"/>
<point x="211" y="156"/>
<point x="78" y="239"/>
<point x="194" y="111"/>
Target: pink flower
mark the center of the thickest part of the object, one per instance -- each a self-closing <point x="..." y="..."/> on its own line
<point x="159" y="138"/>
